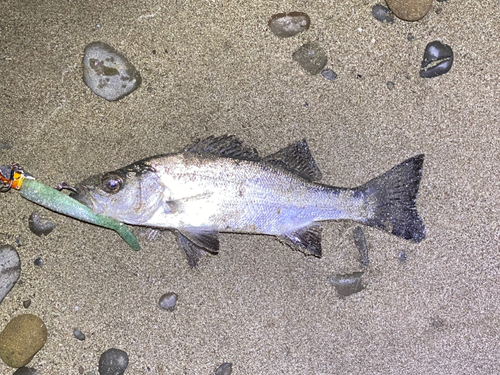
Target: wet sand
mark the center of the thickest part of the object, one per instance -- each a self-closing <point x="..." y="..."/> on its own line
<point x="213" y="67"/>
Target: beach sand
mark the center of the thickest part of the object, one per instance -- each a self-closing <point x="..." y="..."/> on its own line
<point x="211" y="68"/>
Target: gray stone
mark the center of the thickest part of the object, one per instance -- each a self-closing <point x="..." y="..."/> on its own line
<point x="10" y="269"/>
<point x="108" y="73"/>
<point x="25" y="371"/>
<point x="285" y="25"/>
<point x="345" y="285"/>
<point x="40" y="224"/>
<point x="382" y="13"/>
<point x="311" y="57"/>
<point x="78" y="334"/>
<point x="168" y="301"/>
<point x="329" y="74"/>
<point x="113" y="362"/>
<point x="224" y="369"/>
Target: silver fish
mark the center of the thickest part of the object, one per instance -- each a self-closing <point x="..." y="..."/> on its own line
<point x="218" y="185"/>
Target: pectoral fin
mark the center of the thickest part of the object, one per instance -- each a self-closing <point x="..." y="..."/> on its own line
<point x="196" y="242"/>
<point x="306" y="240"/>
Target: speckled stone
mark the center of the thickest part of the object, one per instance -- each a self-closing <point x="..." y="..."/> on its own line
<point x="311" y="57"/>
<point x="285" y="25"/>
<point x="108" y="73"/>
<point x="409" y="10"/>
<point x="113" y="362"/>
<point x="21" y="339"/>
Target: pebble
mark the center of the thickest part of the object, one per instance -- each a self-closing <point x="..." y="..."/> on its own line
<point x="168" y="301"/>
<point x="108" y="73"/>
<point x="21" y="339"/>
<point x="224" y="369"/>
<point x="10" y="269"/>
<point x="345" y="285"/>
<point x="113" y="362"/>
<point x="78" y="334"/>
<point x="25" y="371"/>
<point x="402" y="256"/>
<point x="285" y="25"/>
<point x="438" y="59"/>
<point x="329" y="74"/>
<point x="40" y="224"/>
<point x="382" y="13"/>
<point x="38" y="262"/>
<point x="409" y="10"/>
<point x="360" y="242"/>
<point x="27" y="303"/>
<point x="311" y="57"/>
<point x="390" y="85"/>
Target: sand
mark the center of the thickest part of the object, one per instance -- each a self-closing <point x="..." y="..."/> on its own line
<point x="213" y="67"/>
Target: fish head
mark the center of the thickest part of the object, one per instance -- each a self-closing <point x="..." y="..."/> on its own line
<point x="131" y="194"/>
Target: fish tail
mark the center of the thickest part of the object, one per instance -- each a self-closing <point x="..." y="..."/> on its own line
<point x="392" y="200"/>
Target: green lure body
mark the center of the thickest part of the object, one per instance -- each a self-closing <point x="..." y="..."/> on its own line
<point x="54" y="200"/>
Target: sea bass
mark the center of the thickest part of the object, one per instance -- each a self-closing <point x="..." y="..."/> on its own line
<point x="218" y="185"/>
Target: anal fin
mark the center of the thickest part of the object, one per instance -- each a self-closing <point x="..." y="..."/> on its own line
<point x="306" y="240"/>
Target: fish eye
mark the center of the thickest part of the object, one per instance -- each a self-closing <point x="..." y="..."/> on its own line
<point x="112" y="183"/>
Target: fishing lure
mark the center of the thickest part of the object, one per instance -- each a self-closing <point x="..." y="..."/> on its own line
<point x="54" y="200"/>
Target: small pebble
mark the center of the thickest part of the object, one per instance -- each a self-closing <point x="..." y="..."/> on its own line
<point x="224" y="369"/>
<point x="78" y="334"/>
<point x="168" y="301"/>
<point x="329" y="74"/>
<point x="285" y="25"/>
<point x="27" y="303"/>
<point x="40" y="224"/>
<point x="311" y="57"/>
<point x="360" y="242"/>
<point x="345" y="285"/>
<point x="25" y="371"/>
<point x="402" y="256"/>
<point x="5" y="145"/>
<point x="409" y="10"/>
<point x="390" y="85"/>
<point x="10" y="269"/>
<point x="21" y="339"/>
<point x="38" y="262"/>
<point x="382" y="13"/>
<point x="108" y="73"/>
<point x="113" y="362"/>
<point x="438" y="59"/>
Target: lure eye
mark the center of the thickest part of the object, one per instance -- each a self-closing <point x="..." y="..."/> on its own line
<point x="112" y="183"/>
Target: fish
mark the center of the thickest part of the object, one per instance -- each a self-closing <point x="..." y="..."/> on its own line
<point x="217" y="185"/>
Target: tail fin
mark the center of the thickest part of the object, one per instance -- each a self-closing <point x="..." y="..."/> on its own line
<point x="392" y="197"/>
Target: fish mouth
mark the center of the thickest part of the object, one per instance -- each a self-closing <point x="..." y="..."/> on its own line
<point x="81" y="196"/>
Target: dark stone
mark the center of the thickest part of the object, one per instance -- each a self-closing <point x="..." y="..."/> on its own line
<point x="390" y="85"/>
<point x="360" y="242"/>
<point x="25" y="371"/>
<point x="224" y="369"/>
<point x="285" y="25"/>
<point x="168" y="301"/>
<point x="382" y="13"/>
<point x="113" y="362"/>
<point x="27" y="303"/>
<point x="40" y="225"/>
<point x="311" y="57"/>
<point x="345" y="285"/>
<point x="329" y="74"/>
<point x="78" y="334"/>
<point x="38" y="262"/>
<point x="438" y="59"/>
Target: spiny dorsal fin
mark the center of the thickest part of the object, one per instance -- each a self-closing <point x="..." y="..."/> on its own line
<point x="296" y="158"/>
<point x="226" y="146"/>
<point x="306" y="240"/>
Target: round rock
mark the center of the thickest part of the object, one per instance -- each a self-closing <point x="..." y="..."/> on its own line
<point x="382" y="13"/>
<point x="168" y="301"/>
<point x="108" y="73"/>
<point x="113" y="362"/>
<point x="40" y="224"/>
<point x="438" y="59"/>
<point x="224" y="369"/>
<point x="21" y="339"/>
<point x="285" y="25"/>
<point x="409" y="10"/>
<point x="311" y="57"/>
<point x="10" y="269"/>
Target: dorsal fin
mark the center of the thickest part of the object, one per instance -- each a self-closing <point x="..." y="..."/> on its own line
<point x="296" y="158"/>
<point x="226" y="146"/>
